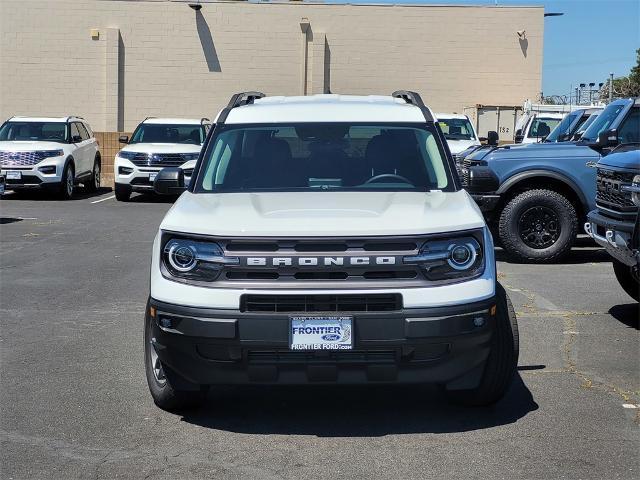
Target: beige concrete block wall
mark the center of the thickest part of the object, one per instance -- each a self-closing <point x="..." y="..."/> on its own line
<point x="160" y="58"/>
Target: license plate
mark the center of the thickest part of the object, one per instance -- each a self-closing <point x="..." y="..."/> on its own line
<point x="321" y="333"/>
<point x="152" y="176"/>
<point x="13" y="175"/>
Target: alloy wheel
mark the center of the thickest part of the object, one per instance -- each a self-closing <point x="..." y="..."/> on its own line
<point x="539" y="227"/>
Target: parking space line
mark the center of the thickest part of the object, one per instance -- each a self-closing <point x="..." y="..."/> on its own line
<point x="103" y="199"/>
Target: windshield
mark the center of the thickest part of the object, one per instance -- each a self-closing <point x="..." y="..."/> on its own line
<point x="564" y="127"/>
<point x="34" y="131"/>
<point x="587" y="123"/>
<point x="166" y="133"/>
<point x="541" y="127"/>
<point x="456" y="128"/>
<point x="603" y="122"/>
<point x="324" y="156"/>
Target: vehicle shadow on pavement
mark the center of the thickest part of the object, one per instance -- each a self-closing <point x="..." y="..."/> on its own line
<point x="628" y="313"/>
<point x="40" y="195"/>
<point x="583" y="252"/>
<point x="152" y="198"/>
<point x="369" y="411"/>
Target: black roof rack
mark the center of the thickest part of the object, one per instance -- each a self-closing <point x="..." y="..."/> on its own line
<point x="74" y="116"/>
<point x="237" y="100"/>
<point x="414" y="98"/>
<point x="204" y="119"/>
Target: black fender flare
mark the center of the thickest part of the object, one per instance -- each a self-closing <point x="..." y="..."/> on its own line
<point x="540" y="173"/>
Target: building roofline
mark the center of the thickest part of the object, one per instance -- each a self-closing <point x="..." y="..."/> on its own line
<point x="372" y="4"/>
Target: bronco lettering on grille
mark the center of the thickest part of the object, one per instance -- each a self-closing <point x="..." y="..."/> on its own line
<point x="317" y="261"/>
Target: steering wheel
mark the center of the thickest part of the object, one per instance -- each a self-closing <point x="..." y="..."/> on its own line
<point x="388" y="175"/>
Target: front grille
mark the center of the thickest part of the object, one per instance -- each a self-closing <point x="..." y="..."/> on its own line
<point x="22" y="159"/>
<point x="609" y="194"/>
<point x="346" y="274"/>
<point x="158" y="159"/>
<point x="270" y="357"/>
<point x="320" y="303"/>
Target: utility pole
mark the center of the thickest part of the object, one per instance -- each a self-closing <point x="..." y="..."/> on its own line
<point x="610" y="87"/>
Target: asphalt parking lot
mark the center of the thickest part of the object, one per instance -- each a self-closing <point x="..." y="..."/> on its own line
<point x="74" y="401"/>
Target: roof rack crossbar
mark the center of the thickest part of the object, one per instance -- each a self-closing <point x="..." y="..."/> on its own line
<point x="204" y="119"/>
<point x="237" y="100"/>
<point x="414" y="98"/>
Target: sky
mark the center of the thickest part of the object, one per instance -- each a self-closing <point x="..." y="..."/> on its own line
<point x="591" y="39"/>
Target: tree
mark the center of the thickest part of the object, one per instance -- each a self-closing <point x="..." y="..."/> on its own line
<point x="628" y="86"/>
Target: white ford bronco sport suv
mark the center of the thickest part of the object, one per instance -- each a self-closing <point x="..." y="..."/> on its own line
<point x="49" y="153"/>
<point x="325" y="239"/>
<point x="157" y="143"/>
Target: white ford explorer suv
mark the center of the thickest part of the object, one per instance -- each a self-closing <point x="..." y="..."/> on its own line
<point x="157" y="143"/>
<point x="459" y="131"/>
<point x="50" y="153"/>
<point x="325" y="239"/>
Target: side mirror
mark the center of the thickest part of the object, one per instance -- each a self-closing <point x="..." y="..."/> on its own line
<point x="482" y="179"/>
<point x="123" y="139"/>
<point x="482" y="139"/>
<point x="608" y="138"/>
<point x="492" y="137"/>
<point x="169" y="181"/>
<point x="76" y="139"/>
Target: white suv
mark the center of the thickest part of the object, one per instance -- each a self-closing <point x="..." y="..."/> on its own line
<point x="51" y="153"/>
<point x="459" y="132"/>
<point x="157" y="143"/>
<point x="325" y="239"/>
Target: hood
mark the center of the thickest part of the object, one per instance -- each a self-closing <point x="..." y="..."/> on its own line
<point x="306" y="214"/>
<point x="162" y="148"/>
<point x="30" y="146"/>
<point x="457" y="146"/>
<point x="534" y="150"/>
<point x="629" y="160"/>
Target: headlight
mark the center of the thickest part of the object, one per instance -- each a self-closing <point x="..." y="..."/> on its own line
<point x="190" y="156"/>
<point x="127" y="155"/>
<point x="195" y="260"/>
<point x="635" y="191"/>
<point x="50" y="153"/>
<point x="450" y="258"/>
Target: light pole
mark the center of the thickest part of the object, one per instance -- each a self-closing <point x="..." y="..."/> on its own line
<point x="610" y="87"/>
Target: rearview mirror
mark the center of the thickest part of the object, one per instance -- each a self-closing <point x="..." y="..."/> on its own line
<point x="169" y="181"/>
<point x="123" y="139"/>
<point x="482" y="179"/>
<point x="492" y="137"/>
<point x="608" y="138"/>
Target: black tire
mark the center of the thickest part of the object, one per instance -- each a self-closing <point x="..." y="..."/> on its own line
<point x="502" y="364"/>
<point x="67" y="185"/>
<point x="558" y="227"/>
<point x="123" y="192"/>
<point x="628" y="279"/>
<point x="162" y="381"/>
<point x="93" y="184"/>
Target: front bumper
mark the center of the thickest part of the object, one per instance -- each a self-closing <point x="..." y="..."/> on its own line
<point x="443" y="345"/>
<point x="140" y="179"/>
<point x="34" y="177"/>
<point x="486" y="202"/>
<point x="616" y="236"/>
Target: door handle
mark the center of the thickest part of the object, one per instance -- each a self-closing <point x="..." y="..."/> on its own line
<point x="591" y="164"/>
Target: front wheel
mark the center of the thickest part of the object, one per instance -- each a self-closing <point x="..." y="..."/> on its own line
<point x="162" y="380"/>
<point x="538" y="226"/>
<point x="67" y="185"/>
<point x="123" y="192"/>
<point x="628" y="278"/>
<point x="502" y="363"/>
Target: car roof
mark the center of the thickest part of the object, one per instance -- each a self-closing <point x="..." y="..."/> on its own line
<point x="445" y="116"/>
<point x="48" y="119"/>
<point x="326" y="108"/>
<point x="173" y="121"/>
